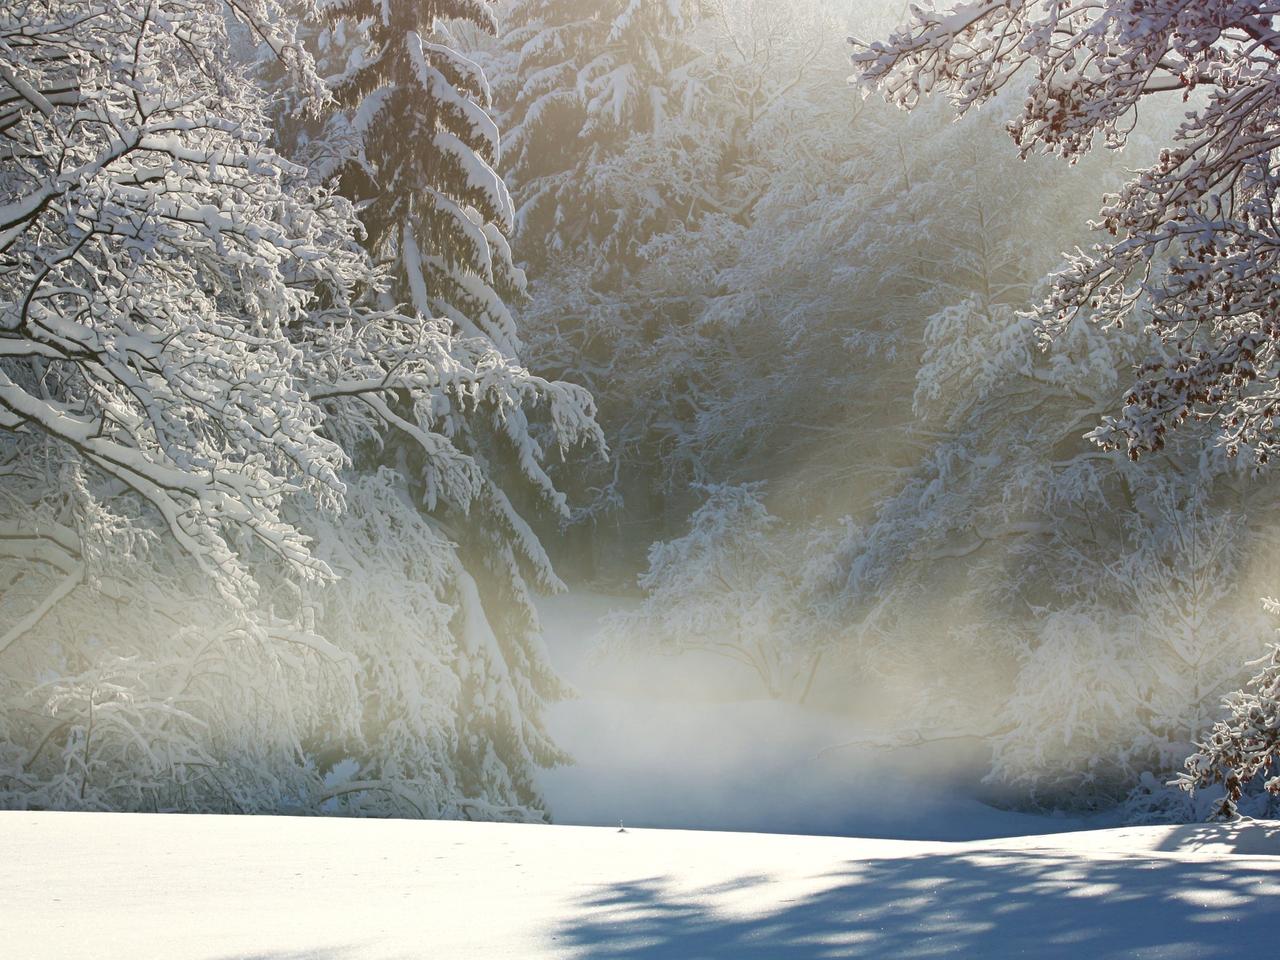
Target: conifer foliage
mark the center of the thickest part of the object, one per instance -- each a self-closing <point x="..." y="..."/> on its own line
<point x="589" y="78"/>
<point x="423" y="152"/>
<point x="416" y="149"/>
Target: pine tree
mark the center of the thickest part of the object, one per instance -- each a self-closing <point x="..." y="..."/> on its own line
<point x="592" y="81"/>
<point x="422" y="162"/>
<point x="418" y="151"/>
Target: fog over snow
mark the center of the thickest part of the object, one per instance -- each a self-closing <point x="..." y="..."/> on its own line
<point x="688" y="742"/>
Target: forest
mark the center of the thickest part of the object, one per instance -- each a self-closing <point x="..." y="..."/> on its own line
<point x="919" y="379"/>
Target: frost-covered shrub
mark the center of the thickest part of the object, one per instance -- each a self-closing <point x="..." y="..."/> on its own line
<point x="1242" y="751"/>
<point x="737" y="585"/>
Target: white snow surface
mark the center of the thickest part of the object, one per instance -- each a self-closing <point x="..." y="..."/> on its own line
<point x="160" y="887"/>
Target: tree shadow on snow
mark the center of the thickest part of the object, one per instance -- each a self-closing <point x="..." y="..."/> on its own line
<point x="974" y="905"/>
<point x="1244" y="838"/>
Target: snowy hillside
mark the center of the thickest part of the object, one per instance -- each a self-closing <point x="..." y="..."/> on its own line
<point x="159" y="887"/>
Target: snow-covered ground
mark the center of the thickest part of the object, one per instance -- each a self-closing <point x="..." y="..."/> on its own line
<point x="688" y="743"/>
<point x="159" y="887"/>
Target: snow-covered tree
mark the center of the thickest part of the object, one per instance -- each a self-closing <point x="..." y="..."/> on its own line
<point x="1190" y="243"/>
<point x="160" y="261"/>
<point x="736" y="586"/>
<point x="1118" y="679"/>
<point x="1188" y="248"/>
<point x="903" y="385"/>
<point x="1245" y="745"/>
<point x="418" y="150"/>
<point x="619" y="304"/>
<point x="596" y="86"/>
<point x="170" y="291"/>
<point x="195" y="354"/>
<point x="1059" y="568"/>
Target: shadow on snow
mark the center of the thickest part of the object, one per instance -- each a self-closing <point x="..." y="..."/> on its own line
<point x="979" y="905"/>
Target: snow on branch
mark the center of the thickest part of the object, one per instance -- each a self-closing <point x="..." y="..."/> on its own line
<point x="1189" y="247"/>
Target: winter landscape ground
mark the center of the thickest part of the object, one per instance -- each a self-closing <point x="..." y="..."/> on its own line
<point x="159" y="887"/>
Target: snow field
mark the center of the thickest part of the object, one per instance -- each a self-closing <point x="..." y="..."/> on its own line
<point x="160" y="887"/>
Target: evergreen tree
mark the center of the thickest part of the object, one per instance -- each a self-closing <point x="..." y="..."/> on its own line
<point x="592" y="82"/>
<point x="415" y="147"/>
<point x="422" y="152"/>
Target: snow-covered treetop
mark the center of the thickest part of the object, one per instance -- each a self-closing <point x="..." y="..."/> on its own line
<point x="158" y="262"/>
<point x="416" y="97"/>
<point x="588" y="77"/>
<point x="417" y="149"/>
<point x="187" y="311"/>
<point x="1190" y="245"/>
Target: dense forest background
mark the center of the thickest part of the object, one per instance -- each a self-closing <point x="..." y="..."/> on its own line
<point x="452" y="303"/>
